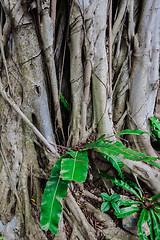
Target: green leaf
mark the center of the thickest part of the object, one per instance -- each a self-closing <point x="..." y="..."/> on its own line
<point x="152" y="163"/>
<point x="116" y="162"/>
<point x="134" y="185"/>
<point x="129" y="131"/>
<point x="116" y="207"/>
<point x="101" y="137"/>
<point x="96" y="144"/>
<point x="143" y="218"/>
<point x="51" y="208"/>
<point x="157" y="213"/>
<point x="155" y="197"/>
<point x="127" y="202"/>
<point x="106" y="176"/>
<point x="150" y="224"/>
<point x="105" y="206"/>
<point x="157" y="204"/>
<point x="105" y="196"/>
<point x="155" y="127"/>
<point x="156" y="225"/>
<point x="125" y="185"/>
<point x="76" y="167"/>
<point x="115" y="197"/>
<point x="64" y="102"/>
<point x="2" y="237"/>
<point x="124" y="212"/>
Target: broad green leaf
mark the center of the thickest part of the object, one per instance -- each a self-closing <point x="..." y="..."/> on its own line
<point x="115" y="197"/>
<point x="127" y="202"/>
<point x="105" y="196"/>
<point x="2" y="237"/>
<point x="64" y="102"/>
<point x="115" y="149"/>
<point x="143" y="218"/>
<point x="155" y="197"/>
<point x="76" y="167"/>
<point x="118" y="148"/>
<point x="116" y="207"/>
<point x="129" y="131"/>
<point x="105" y="206"/>
<point x="124" y="212"/>
<point x="51" y="208"/>
<point x="156" y="225"/>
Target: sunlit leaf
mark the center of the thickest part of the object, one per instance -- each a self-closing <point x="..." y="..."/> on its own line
<point x="75" y="167"/>
<point x="51" y="208"/>
<point x="124" y="212"/>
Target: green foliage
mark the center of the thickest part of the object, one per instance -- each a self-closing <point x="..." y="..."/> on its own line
<point x="51" y="207"/>
<point x="124" y="184"/>
<point x="2" y="237"/>
<point x="146" y="206"/>
<point x="110" y="201"/>
<point x="64" y="102"/>
<point x="129" y="131"/>
<point x="74" y="166"/>
<point x="155" y="127"/>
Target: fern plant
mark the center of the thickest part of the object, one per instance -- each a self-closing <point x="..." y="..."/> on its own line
<point x="148" y="208"/>
<point x="73" y="166"/>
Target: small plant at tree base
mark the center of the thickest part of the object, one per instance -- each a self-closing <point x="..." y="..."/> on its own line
<point x="73" y="166"/>
<point x="110" y="201"/>
<point x="148" y="208"/>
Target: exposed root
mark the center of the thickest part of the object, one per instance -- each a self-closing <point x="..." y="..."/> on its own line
<point x="75" y="213"/>
<point x="111" y="231"/>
